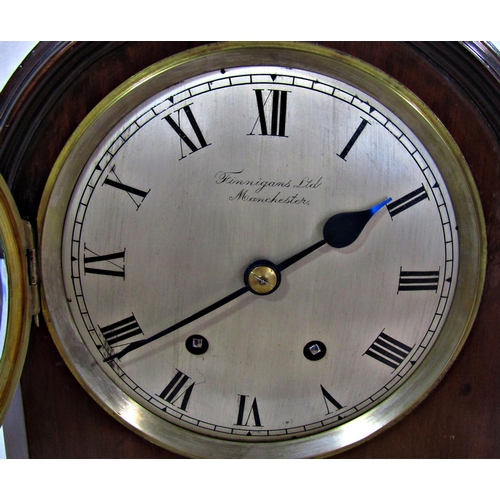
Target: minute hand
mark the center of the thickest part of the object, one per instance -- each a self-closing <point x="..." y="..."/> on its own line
<point x="339" y="231"/>
<point x="139" y="343"/>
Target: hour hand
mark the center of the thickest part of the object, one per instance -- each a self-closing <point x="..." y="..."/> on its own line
<point x="341" y="230"/>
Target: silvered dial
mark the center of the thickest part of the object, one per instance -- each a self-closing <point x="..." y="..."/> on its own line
<point x="204" y="191"/>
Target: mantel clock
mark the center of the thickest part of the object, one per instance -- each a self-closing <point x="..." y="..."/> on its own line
<point x="250" y="250"/>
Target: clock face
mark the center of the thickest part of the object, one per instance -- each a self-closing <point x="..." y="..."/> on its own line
<point x="175" y="245"/>
<point x="214" y="174"/>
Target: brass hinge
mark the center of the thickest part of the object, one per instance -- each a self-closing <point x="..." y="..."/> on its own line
<point x="32" y="261"/>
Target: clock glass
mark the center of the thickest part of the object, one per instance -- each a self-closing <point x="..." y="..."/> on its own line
<point x="4" y="298"/>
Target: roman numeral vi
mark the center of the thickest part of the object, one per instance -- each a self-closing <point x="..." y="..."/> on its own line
<point x="253" y="412"/>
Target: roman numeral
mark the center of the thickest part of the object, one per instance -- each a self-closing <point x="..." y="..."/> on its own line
<point x="330" y="399"/>
<point x="191" y="143"/>
<point x="407" y="201"/>
<point x="121" y="330"/>
<point x="353" y="139"/>
<point x="389" y="351"/>
<point x="178" y="388"/>
<point x="278" y="113"/>
<point x="112" y="264"/>
<point x="136" y="195"/>
<point x="253" y="412"/>
<point x="418" y="280"/>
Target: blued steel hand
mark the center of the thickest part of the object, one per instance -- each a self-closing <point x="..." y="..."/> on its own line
<point x="339" y="231"/>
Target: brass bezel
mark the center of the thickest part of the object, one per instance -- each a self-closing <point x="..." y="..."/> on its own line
<point x="417" y="116"/>
<point x="12" y="235"/>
